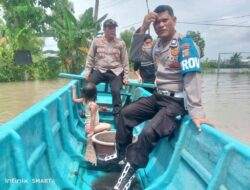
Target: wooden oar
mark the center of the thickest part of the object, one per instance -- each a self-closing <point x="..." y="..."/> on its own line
<point x="131" y="83"/>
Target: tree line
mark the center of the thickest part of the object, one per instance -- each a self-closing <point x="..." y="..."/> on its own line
<point x="25" y="23"/>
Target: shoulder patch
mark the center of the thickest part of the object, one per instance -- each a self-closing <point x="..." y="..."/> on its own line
<point x="188" y="56"/>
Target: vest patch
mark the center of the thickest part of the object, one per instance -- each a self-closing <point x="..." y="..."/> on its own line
<point x="190" y="65"/>
<point x="189" y="56"/>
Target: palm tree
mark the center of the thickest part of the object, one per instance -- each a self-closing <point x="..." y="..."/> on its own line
<point x="235" y="60"/>
<point x="73" y="36"/>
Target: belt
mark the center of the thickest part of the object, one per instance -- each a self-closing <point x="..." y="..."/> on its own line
<point x="171" y="93"/>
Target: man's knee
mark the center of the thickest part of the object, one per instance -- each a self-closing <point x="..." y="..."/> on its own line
<point x="115" y="91"/>
<point x="124" y="113"/>
<point x="93" y="80"/>
<point x="150" y="134"/>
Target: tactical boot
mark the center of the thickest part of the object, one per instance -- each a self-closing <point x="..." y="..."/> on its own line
<point x="117" y="158"/>
<point x="126" y="177"/>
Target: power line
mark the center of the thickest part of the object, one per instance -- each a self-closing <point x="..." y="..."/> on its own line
<point x="115" y="4"/>
<point x="219" y="19"/>
<point x="130" y="25"/>
<point x="228" y="25"/>
<point x="192" y="23"/>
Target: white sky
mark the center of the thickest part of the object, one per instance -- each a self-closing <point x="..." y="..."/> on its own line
<point x="130" y="13"/>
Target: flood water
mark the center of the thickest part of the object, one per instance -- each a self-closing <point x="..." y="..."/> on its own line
<point x="15" y="97"/>
<point x="226" y="99"/>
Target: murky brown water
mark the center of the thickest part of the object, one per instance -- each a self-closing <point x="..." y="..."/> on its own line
<point x="226" y="99"/>
<point x="15" y="97"/>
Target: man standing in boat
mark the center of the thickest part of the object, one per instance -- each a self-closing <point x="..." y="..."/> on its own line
<point x="107" y="61"/>
<point x="178" y="73"/>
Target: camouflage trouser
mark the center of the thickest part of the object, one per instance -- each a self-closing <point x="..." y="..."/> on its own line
<point x="115" y="85"/>
<point x="162" y="110"/>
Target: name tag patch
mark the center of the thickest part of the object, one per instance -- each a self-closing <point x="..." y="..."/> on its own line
<point x="191" y="64"/>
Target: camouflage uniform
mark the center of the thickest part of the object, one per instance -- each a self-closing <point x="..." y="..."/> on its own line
<point x="108" y="62"/>
<point x="178" y="73"/>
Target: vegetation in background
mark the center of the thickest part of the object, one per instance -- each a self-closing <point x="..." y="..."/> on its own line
<point x="200" y="42"/>
<point x="73" y="36"/>
<point x="126" y="36"/>
<point x="26" y="21"/>
<point x="22" y="22"/>
<point x="235" y="60"/>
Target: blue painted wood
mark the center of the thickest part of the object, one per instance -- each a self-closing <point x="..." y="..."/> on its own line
<point x="48" y="140"/>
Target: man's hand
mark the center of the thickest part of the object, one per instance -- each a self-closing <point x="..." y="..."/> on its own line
<point x="86" y="77"/>
<point x="125" y="81"/>
<point x="148" y="19"/>
<point x="199" y="121"/>
<point x="139" y="79"/>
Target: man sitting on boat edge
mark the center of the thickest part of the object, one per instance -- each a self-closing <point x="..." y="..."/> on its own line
<point x="107" y="61"/>
<point x="178" y="72"/>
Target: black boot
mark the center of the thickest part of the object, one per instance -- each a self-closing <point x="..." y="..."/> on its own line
<point x="117" y="158"/>
<point x="126" y="177"/>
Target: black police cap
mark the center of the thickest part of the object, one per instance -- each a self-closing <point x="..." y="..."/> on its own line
<point x="110" y="22"/>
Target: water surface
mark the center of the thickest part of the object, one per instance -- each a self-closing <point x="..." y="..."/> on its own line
<point x="226" y="99"/>
<point x="15" y="97"/>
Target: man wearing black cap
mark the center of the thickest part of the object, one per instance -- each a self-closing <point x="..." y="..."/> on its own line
<point x="178" y="72"/>
<point x="107" y="61"/>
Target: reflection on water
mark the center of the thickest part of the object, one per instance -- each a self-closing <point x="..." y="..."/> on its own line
<point x="15" y="97"/>
<point x="226" y="99"/>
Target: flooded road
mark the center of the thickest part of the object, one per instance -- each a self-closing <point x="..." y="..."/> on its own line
<point x="226" y="98"/>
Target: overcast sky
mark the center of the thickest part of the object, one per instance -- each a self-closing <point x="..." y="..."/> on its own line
<point x="130" y="13"/>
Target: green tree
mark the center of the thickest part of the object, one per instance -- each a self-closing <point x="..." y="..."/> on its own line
<point x="126" y="36"/>
<point x="235" y="60"/>
<point x="24" y="20"/>
<point x="200" y="42"/>
<point x="73" y="36"/>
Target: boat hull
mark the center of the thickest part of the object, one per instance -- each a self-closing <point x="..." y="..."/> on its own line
<point x="43" y="148"/>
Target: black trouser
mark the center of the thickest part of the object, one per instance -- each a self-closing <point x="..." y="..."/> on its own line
<point x="115" y="85"/>
<point x="151" y="90"/>
<point x="162" y="110"/>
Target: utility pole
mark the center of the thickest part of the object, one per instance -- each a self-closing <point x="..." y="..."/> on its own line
<point x="148" y="12"/>
<point x="218" y="63"/>
<point x="96" y="10"/>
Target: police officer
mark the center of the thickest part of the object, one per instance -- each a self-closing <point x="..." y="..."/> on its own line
<point x="145" y="69"/>
<point x="107" y="61"/>
<point x="178" y="72"/>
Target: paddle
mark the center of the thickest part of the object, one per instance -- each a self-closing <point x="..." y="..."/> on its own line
<point x="131" y="83"/>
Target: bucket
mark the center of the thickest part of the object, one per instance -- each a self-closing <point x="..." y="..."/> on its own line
<point x="104" y="142"/>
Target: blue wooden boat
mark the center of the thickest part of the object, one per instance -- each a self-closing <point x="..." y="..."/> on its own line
<point x="43" y="148"/>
